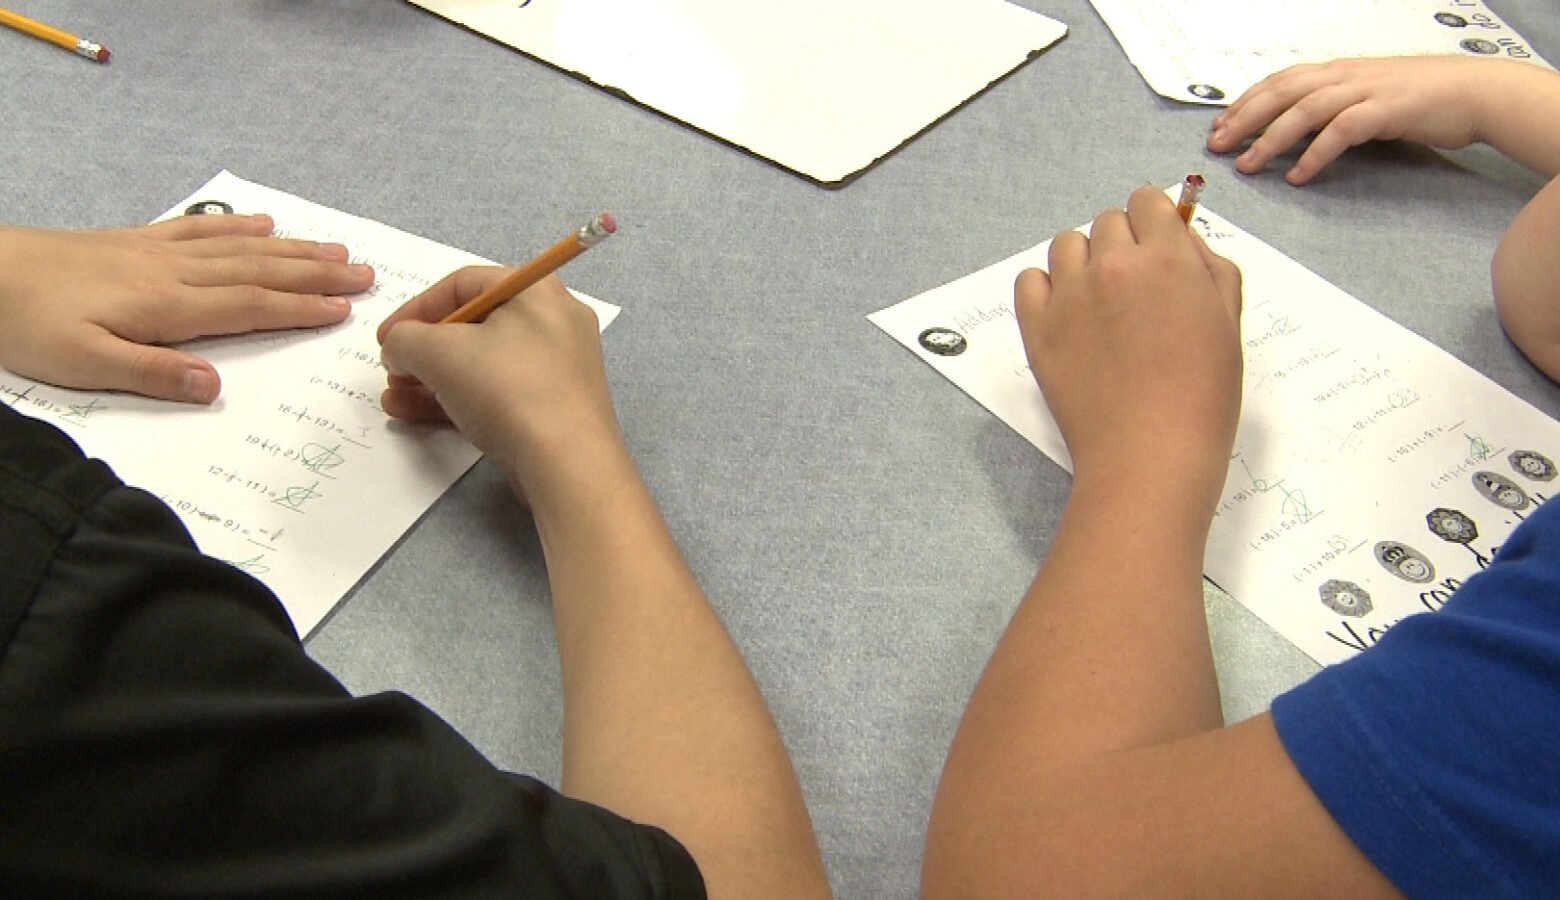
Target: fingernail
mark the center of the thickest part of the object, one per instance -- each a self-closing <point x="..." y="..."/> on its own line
<point x="338" y="303"/>
<point x="1218" y="134"/>
<point x="199" y="385"/>
<point x="332" y="251"/>
<point x="1294" y="174"/>
<point x="361" y="269"/>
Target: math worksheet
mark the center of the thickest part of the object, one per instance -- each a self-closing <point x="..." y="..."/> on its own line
<point x="295" y="474"/>
<point x="1211" y="51"/>
<point x="820" y="87"/>
<point x="1372" y="471"/>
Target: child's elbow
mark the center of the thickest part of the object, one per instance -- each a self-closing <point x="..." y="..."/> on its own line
<point x="1525" y="276"/>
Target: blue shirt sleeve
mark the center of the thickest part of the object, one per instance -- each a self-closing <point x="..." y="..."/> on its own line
<point x="1435" y="750"/>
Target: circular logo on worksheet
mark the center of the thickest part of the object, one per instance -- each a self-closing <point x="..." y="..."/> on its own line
<point x="1205" y="92"/>
<point x="1405" y="562"/>
<point x="943" y="341"/>
<point x="1532" y="464"/>
<point x="1345" y="598"/>
<point x="1451" y="20"/>
<point x="1479" y="45"/>
<point x="207" y="208"/>
<point x="1501" y="491"/>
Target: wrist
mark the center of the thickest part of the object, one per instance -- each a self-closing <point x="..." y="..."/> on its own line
<point x="570" y="470"/>
<point x="1516" y="112"/>
<point x="1179" y="491"/>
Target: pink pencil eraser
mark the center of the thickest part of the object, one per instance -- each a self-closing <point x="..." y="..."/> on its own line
<point x="608" y="222"/>
<point x="102" y="54"/>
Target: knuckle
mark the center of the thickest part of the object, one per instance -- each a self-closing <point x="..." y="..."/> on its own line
<point x="255" y="300"/>
<point x="1352" y="126"/>
<point x="252" y="269"/>
<point x="146" y="376"/>
<point x="1115" y="271"/>
<point x="1310" y="105"/>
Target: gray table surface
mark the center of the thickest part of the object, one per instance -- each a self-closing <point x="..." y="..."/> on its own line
<point x="862" y="526"/>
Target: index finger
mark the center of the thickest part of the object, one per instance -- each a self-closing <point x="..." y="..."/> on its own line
<point x="1267" y="85"/>
<point x="185" y="228"/>
<point x="448" y="295"/>
<point x="1256" y="108"/>
<point x="1226" y="277"/>
<point x="1069" y="253"/>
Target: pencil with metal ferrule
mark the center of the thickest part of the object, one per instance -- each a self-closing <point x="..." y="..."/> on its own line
<point x="502" y="291"/>
<point x="79" y="45"/>
<point x="1191" y="189"/>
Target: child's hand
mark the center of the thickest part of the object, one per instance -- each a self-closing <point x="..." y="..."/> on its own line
<point x="1433" y="100"/>
<point x="527" y="385"/>
<point x="1134" y="338"/>
<point x="89" y="309"/>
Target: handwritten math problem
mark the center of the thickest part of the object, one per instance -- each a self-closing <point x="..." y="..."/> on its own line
<point x="1372" y="472"/>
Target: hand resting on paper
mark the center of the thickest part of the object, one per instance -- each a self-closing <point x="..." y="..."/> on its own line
<point x="1134" y="338"/>
<point x="527" y="385"/>
<point x="92" y="309"/>
<point x="1444" y="101"/>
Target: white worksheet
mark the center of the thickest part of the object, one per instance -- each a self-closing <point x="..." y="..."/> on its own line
<point x="295" y="474"/>
<point x="1372" y="471"/>
<point x="1211" y="51"/>
<point x="820" y="87"/>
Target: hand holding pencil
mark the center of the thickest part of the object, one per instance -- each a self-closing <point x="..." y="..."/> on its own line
<point x="527" y="385"/>
<point x="1133" y="336"/>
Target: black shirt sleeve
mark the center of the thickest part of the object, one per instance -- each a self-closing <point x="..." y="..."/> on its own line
<point x="163" y="733"/>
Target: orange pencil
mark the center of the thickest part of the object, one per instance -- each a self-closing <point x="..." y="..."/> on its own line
<point x="71" y="42"/>
<point x="503" y="290"/>
<point x="1191" y="189"/>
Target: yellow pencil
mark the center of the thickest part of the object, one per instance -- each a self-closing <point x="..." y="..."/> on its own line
<point x="501" y="291"/>
<point x="71" y="42"/>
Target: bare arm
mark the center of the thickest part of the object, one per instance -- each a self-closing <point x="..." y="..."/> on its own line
<point x="1091" y="760"/>
<point x="662" y="720"/>
<point x="1526" y="278"/>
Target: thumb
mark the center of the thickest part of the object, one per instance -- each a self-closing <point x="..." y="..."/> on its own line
<point x="161" y="372"/>
<point x="1226" y="277"/>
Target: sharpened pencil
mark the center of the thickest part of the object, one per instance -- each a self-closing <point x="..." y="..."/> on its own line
<point x="503" y="290"/>
<point x="1191" y="189"/>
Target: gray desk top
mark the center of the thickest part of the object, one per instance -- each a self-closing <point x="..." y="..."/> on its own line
<point x="863" y="527"/>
